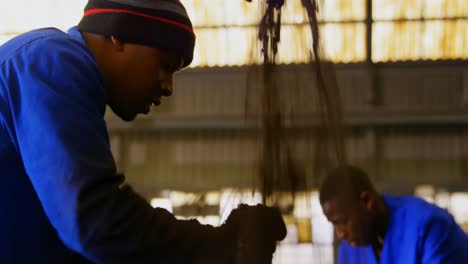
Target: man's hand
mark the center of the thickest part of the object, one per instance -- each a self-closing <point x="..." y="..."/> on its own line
<point x="257" y="230"/>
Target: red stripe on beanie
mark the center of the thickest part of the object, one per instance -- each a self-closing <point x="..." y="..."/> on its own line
<point x="165" y="20"/>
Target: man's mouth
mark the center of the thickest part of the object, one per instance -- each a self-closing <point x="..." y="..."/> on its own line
<point x="156" y="102"/>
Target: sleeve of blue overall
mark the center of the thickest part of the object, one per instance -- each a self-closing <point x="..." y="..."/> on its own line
<point x="443" y="241"/>
<point x="61" y="135"/>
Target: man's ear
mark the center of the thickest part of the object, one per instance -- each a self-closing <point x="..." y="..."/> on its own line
<point x="117" y="43"/>
<point x="367" y="199"/>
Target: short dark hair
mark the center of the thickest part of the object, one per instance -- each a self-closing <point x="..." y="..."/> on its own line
<point x="345" y="182"/>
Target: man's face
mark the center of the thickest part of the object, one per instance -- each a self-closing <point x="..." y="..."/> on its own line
<point x="353" y="221"/>
<point x="142" y="75"/>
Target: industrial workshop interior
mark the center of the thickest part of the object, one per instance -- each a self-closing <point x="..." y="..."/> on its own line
<point x="401" y="72"/>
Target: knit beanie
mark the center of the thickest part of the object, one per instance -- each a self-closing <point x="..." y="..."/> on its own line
<point x="160" y="23"/>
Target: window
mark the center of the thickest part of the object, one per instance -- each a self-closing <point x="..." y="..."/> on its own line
<point x="419" y="29"/>
<point x="19" y="16"/>
<point x="401" y="30"/>
<point x="227" y="30"/>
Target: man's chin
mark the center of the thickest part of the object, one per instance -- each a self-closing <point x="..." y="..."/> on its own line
<point x="357" y="243"/>
<point x="129" y="119"/>
<point x="126" y="117"/>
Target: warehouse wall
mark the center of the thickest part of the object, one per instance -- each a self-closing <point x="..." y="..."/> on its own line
<point x="406" y="123"/>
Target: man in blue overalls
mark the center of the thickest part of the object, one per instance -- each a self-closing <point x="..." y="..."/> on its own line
<point x="61" y="200"/>
<point x="388" y="229"/>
